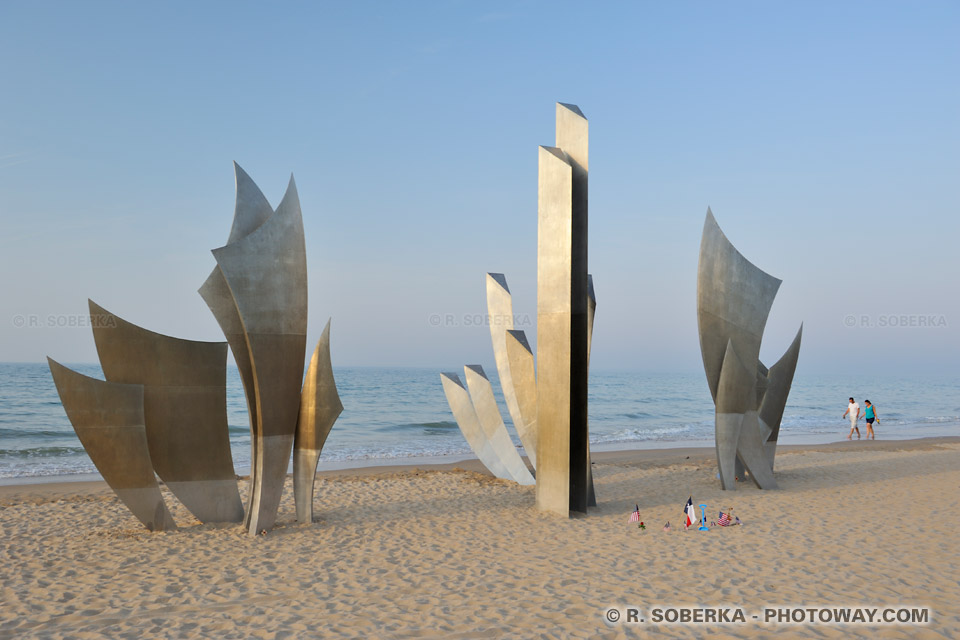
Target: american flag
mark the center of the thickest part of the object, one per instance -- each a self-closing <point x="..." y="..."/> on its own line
<point x="724" y="519"/>
<point x="635" y="516"/>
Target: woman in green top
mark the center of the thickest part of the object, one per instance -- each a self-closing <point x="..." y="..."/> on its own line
<point x="870" y="413"/>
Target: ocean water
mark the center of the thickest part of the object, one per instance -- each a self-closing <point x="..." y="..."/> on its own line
<point x="396" y="415"/>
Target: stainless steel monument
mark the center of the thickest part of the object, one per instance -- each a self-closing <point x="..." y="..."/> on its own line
<point x="464" y="412"/>
<point x="320" y="407"/>
<point x="108" y="418"/>
<point x="549" y="413"/>
<point x="474" y="406"/>
<point x="259" y="287"/>
<point x="500" y="319"/>
<point x="169" y="395"/>
<point x="185" y="410"/>
<point x="563" y="454"/>
<point x="488" y="436"/>
<point x="734" y="298"/>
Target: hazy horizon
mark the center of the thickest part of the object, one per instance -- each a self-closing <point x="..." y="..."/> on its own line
<point x="824" y="137"/>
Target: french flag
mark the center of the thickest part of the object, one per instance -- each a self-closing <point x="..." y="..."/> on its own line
<point x="689" y="515"/>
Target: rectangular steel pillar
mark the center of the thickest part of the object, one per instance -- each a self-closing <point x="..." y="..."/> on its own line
<point x="562" y="446"/>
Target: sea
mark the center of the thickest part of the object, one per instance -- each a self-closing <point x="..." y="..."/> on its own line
<point x="400" y="416"/>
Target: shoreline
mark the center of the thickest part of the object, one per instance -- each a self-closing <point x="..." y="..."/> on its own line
<point x="57" y="487"/>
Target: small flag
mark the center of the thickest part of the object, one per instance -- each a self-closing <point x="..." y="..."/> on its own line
<point x="689" y="515"/>
<point x="635" y="516"/>
<point x="724" y="519"/>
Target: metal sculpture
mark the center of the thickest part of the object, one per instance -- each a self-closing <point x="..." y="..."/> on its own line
<point x="250" y="211"/>
<point x="185" y="410"/>
<point x="520" y="360"/>
<point x="517" y="355"/>
<point x="320" y="407"/>
<point x="474" y="406"/>
<point x="485" y="404"/>
<point x="549" y="413"/>
<point x="562" y="318"/>
<point x="266" y="274"/>
<point x="466" y="416"/>
<point x="778" y="382"/>
<point x="108" y="418"/>
<point x="500" y="319"/>
<point x="591" y="312"/>
<point x="734" y="298"/>
<point x="516" y="359"/>
<point x="258" y="295"/>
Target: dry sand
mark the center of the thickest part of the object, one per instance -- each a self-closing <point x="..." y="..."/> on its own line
<point x="452" y="553"/>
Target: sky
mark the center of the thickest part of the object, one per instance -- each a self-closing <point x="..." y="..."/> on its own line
<point x="825" y="137"/>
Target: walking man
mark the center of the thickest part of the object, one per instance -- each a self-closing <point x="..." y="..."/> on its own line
<point x="853" y="410"/>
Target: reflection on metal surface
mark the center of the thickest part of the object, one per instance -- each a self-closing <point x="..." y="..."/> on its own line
<point x="319" y="408"/>
<point x="185" y="410"/>
<point x="108" y="419"/>
<point x="734" y="298"/>
<point x="266" y="272"/>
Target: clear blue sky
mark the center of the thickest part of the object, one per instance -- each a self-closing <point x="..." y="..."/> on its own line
<point x="824" y="135"/>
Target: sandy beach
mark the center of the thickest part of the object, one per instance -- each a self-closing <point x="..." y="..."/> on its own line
<point x="447" y="551"/>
